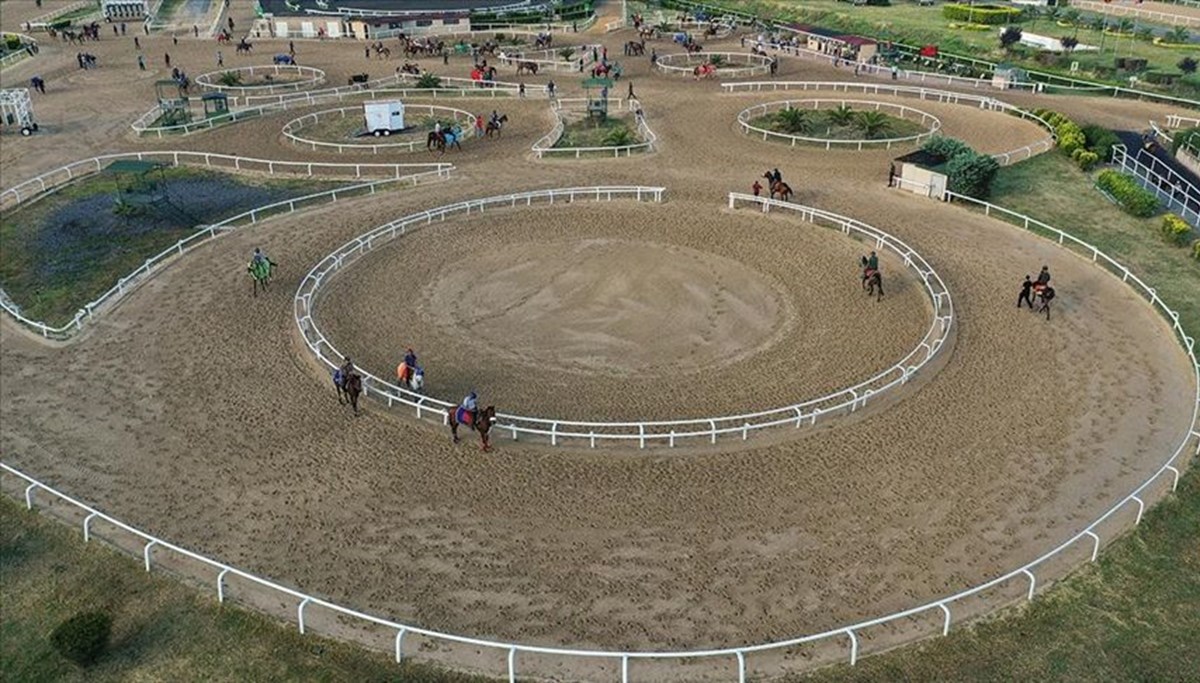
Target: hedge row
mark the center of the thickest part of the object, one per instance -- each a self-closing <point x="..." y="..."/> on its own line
<point x="1135" y="199"/>
<point x="1086" y="145"/>
<point x="981" y="14"/>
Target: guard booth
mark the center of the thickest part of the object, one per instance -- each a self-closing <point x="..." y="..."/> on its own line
<point x="16" y="111"/>
<point x="173" y="105"/>
<point x="138" y="185"/>
<point x="919" y="172"/>
<point x="596" y="90"/>
<point x="215" y="104"/>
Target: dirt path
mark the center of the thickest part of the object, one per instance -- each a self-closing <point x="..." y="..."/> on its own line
<point x="190" y="411"/>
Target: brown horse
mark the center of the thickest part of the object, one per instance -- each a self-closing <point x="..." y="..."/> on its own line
<point x="531" y="67"/>
<point x="496" y="126"/>
<point x="480" y="422"/>
<point x="778" y="188"/>
<point x="872" y="280"/>
<point x="349" y="389"/>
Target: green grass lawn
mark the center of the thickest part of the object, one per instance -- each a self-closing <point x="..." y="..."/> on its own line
<point x="614" y="131"/>
<point x="66" y="249"/>
<point x="163" y="630"/>
<point x="825" y="124"/>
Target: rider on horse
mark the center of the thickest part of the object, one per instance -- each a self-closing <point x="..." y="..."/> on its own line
<point x="1043" y="277"/>
<point x="469" y="406"/>
<point x="406" y="370"/>
<point x="870" y="266"/>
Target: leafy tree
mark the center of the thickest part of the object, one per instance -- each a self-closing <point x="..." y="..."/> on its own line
<point x="1178" y="34"/>
<point x="1187" y="65"/>
<point x="566" y="53"/>
<point x="1011" y="36"/>
<point x="873" y="124"/>
<point x="794" y="121"/>
<point x="619" y="137"/>
<point x="1125" y="25"/>
<point x="428" y="80"/>
<point x="230" y="78"/>
<point x="1069" y="42"/>
<point x="842" y="116"/>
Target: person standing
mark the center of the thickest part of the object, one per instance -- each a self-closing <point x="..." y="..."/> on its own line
<point x="141" y="63"/>
<point x="137" y="44"/>
<point x="220" y="59"/>
<point x="1026" y="291"/>
<point x="756" y="188"/>
<point x="1043" y="277"/>
<point x="521" y="90"/>
<point x="195" y="31"/>
<point x="479" y="125"/>
<point x="167" y="58"/>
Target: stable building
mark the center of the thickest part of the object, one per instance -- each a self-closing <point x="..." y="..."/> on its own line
<point x="117" y="10"/>
<point x="376" y="19"/>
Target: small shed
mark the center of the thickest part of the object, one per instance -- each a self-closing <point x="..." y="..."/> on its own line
<point x="597" y="104"/>
<point x="215" y="104"/>
<point x="917" y="172"/>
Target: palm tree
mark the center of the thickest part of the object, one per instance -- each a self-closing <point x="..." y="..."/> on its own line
<point x="619" y="137"/>
<point x="873" y="124"/>
<point x="1178" y="34"/>
<point x="716" y="60"/>
<point x="566" y="53"/>
<point x="842" y="116"/>
<point x="230" y="78"/>
<point x="1098" y="24"/>
<point x="1145" y="34"/>
<point x="1125" y="25"/>
<point x="428" y="80"/>
<point x="792" y="120"/>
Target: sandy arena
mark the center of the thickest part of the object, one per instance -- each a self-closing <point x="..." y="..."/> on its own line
<point x="192" y="411"/>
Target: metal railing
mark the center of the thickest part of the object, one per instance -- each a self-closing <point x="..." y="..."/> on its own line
<point x="29" y="47"/>
<point x="291" y="128"/>
<point x="550" y="58"/>
<point x="544" y="145"/>
<point x="929" y="94"/>
<point x="753" y="65"/>
<point x="1176" y="191"/>
<point x="1089" y="535"/>
<point x="933" y="123"/>
<point x="668" y="432"/>
<point x="1179" y="121"/>
<point x="310" y="76"/>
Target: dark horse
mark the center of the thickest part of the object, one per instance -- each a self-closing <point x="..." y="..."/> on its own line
<point x="778" y="188"/>
<point x="480" y="422"/>
<point x="260" y="273"/>
<point x="496" y="126"/>
<point x="871" y="280"/>
<point x="349" y="388"/>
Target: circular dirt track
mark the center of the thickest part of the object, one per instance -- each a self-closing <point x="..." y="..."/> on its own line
<point x="625" y="312"/>
<point x="225" y="440"/>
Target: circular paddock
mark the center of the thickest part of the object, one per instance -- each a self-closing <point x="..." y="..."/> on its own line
<point x="276" y="78"/>
<point x="734" y="64"/>
<point x="932" y="123"/>
<point x="321" y="131"/>
<point x="679" y="324"/>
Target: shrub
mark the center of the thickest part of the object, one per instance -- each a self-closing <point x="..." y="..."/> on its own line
<point x="1085" y="159"/>
<point x="230" y="78"/>
<point x="944" y="147"/>
<point x="83" y="637"/>
<point x="1174" y="230"/>
<point x="428" y="80"/>
<point x="1187" y="65"/>
<point x="13" y="42"/>
<point x="1135" y="199"/>
<point x="971" y="173"/>
<point x="981" y="14"/>
<point x="1100" y="140"/>
<point x="1011" y="36"/>
<point x="1196" y="250"/>
<point x="1188" y="137"/>
<point x="1069" y="42"/>
<point x="1070" y="135"/>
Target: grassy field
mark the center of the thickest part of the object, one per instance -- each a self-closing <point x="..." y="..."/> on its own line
<point x="64" y="250"/>
<point x="827" y="124"/>
<point x="162" y="630"/>
<point x="614" y="131"/>
<point x="908" y="23"/>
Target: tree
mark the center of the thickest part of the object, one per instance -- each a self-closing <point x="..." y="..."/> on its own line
<point x="428" y="80"/>
<point x="1098" y="23"/>
<point x="230" y="78"/>
<point x="1187" y="65"/>
<point x="1178" y="34"/>
<point x="566" y="53"/>
<point x="794" y="121"/>
<point x="1011" y="36"/>
<point x="1145" y="34"/>
<point x="619" y="137"/>
<point x="842" y="116"/>
<point x="1069" y="42"/>
<point x="1072" y="16"/>
<point x="873" y="124"/>
<point x="1125" y="25"/>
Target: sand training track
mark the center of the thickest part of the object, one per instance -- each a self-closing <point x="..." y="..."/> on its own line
<point x="191" y="410"/>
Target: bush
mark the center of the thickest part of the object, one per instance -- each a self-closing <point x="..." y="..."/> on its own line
<point x="1135" y="199"/>
<point x="1085" y="159"/>
<point x="1188" y="137"/>
<point x="83" y="637"/>
<point x="12" y="42"/>
<point x="428" y="80"/>
<point x="971" y="173"/>
<point x="1100" y="141"/>
<point x="1011" y="36"/>
<point x="1175" y="230"/>
<point x="944" y="147"/>
<point x="981" y="14"/>
<point x="1070" y="135"/>
<point x="1196" y="250"/>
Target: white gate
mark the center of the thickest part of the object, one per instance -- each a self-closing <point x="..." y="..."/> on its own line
<point x="16" y="110"/>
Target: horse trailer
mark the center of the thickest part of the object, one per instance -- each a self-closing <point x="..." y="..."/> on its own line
<point x="383" y="118"/>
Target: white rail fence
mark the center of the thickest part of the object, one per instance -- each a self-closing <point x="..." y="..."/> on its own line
<point x="292" y="129"/>
<point x="650" y="432"/>
<point x="734" y="64"/>
<point x="1180" y="121"/>
<point x="550" y="59"/>
<point x="927" y="94"/>
<point x="29" y="47"/>
<point x="932" y="123"/>
<point x="306" y="76"/>
<point x="544" y="146"/>
<point x="1176" y="192"/>
<point x="203" y="233"/>
<point x="1089" y="537"/>
<point x="1136" y="13"/>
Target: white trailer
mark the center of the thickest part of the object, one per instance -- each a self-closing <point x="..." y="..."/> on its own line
<point x="383" y="118"/>
<point x="16" y="110"/>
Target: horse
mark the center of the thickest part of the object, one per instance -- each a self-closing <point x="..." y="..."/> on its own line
<point x="410" y="68"/>
<point x="260" y="273"/>
<point x="480" y="422"/>
<point x="531" y="67"/>
<point x="284" y="59"/>
<point x="381" y="51"/>
<point x="635" y="49"/>
<point x="496" y="126"/>
<point x="446" y="138"/>
<point x="1045" y="295"/>
<point x="647" y="33"/>
<point x="413" y="381"/>
<point x="778" y="188"/>
<point x="704" y="71"/>
<point x="244" y="47"/>
<point x="349" y="387"/>
<point x="872" y="280"/>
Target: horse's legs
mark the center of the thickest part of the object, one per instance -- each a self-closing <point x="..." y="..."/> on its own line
<point x="354" y="402"/>
<point x="453" y="426"/>
<point x="483" y="442"/>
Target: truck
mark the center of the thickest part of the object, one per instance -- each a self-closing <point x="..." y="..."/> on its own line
<point x="383" y="118"/>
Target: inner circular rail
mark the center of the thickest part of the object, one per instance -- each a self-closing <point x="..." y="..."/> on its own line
<point x="748" y="114"/>
<point x="304" y="77"/>
<point x="563" y="432"/>
<point x="734" y="64"/>
<point x="293" y="128"/>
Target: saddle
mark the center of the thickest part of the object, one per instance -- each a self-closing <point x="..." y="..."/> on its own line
<point x="464" y="416"/>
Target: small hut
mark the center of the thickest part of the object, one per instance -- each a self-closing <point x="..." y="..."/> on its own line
<point x="1006" y="76"/>
<point x="215" y="104"/>
<point x="597" y="90"/>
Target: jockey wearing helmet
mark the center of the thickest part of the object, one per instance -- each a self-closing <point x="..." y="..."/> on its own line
<point x="259" y="257"/>
<point x="407" y="368"/>
<point x="471" y="403"/>
<point x="873" y="262"/>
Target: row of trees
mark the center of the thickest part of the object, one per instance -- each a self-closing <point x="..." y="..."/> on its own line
<point x="871" y="124"/>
